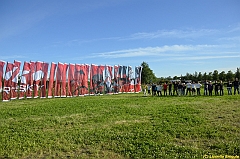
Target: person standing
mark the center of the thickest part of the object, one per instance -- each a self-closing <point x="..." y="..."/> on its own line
<point x="175" y="88"/>
<point x="198" y="86"/>
<point x="193" y="88"/>
<point x="149" y="89"/>
<point x="210" y="88"/>
<point x="180" y="86"/>
<point x="165" y="86"/>
<point x="206" y="88"/>
<point x="236" y="86"/>
<point x="170" y="88"/>
<point x="221" y="88"/>
<point x="189" y="87"/>
<point x="216" y="88"/>
<point x="159" y="89"/>
<point x="183" y="89"/>
<point x="154" y="89"/>
<point x="229" y="87"/>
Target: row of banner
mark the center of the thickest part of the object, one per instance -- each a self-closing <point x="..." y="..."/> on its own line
<point x="65" y="80"/>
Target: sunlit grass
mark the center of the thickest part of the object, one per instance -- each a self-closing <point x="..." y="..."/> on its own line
<point x="120" y="126"/>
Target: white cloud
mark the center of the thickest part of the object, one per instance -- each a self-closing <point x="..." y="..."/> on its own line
<point x="188" y="33"/>
<point x="172" y="50"/>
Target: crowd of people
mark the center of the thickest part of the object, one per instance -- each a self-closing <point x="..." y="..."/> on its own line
<point x="183" y="88"/>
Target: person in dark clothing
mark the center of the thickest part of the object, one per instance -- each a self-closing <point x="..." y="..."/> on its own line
<point x="180" y="87"/>
<point x="183" y="89"/>
<point x="229" y="87"/>
<point x="170" y="88"/>
<point x="236" y="86"/>
<point x="210" y="88"/>
<point x="206" y="88"/>
<point x="154" y="90"/>
<point x="216" y="88"/>
<point x="220" y="85"/>
<point x="175" y="88"/>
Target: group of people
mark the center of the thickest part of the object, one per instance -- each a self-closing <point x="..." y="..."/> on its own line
<point x="181" y="88"/>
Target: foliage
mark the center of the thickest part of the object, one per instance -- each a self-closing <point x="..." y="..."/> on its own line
<point x="120" y="126"/>
<point x="215" y="76"/>
<point x="147" y="75"/>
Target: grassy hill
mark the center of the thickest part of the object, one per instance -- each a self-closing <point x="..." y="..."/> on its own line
<point x="121" y="126"/>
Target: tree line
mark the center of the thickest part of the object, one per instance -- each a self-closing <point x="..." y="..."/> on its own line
<point x="148" y="75"/>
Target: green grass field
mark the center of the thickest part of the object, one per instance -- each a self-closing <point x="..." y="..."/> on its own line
<point x="121" y="126"/>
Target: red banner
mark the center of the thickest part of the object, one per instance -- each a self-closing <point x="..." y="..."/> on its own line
<point x="58" y="80"/>
<point x="100" y="82"/>
<point x="2" y="63"/>
<point x="93" y="79"/>
<point x="44" y="80"/>
<point x="30" y="81"/>
<point x="37" y="78"/>
<point x="7" y="82"/>
<point x="64" y="80"/>
<point x="51" y="79"/>
<point x="138" y="71"/>
<point x="71" y="82"/>
<point x="15" y="73"/>
<point x="85" y="80"/>
<point x="124" y="79"/>
<point x="77" y="80"/>
<point x="24" y="80"/>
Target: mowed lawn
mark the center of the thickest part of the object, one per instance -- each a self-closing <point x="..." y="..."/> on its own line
<point x="121" y="126"/>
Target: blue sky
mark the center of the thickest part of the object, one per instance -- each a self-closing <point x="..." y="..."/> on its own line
<point x="173" y="36"/>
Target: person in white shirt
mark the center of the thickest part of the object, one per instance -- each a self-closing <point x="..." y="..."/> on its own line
<point x="198" y="86"/>
<point x="189" y="87"/>
<point x="159" y="90"/>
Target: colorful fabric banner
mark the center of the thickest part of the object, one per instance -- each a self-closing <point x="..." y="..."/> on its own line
<point x="93" y="79"/>
<point x="138" y="72"/>
<point x="30" y="81"/>
<point x="71" y="81"/>
<point x="124" y="79"/>
<point x="15" y="75"/>
<point x="24" y="80"/>
<point x="37" y="78"/>
<point x="85" y="80"/>
<point x="2" y="63"/>
<point x="130" y="80"/>
<point x="81" y="78"/>
<point x="115" y="79"/>
<point x="51" y="79"/>
<point x="44" y="80"/>
<point x="58" y="80"/>
<point x="108" y="79"/>
<point x="100" y="81"/>
<point x="64" y="80"/>
<point x="120" y="81"/>
<point x="7" y="82"/>
<point x="77" y="76"/>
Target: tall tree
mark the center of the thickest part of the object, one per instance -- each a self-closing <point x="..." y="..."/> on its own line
<point x="230" y="75"/>
<point x="222" y="76"/>
<point x="200" y="76"/>
<point x="205" y="76"/>
<point x="210" y="77"/>
<point x="237" y="74"/>
<point x="147" y="75"/>
<point x="215" y="75"/>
